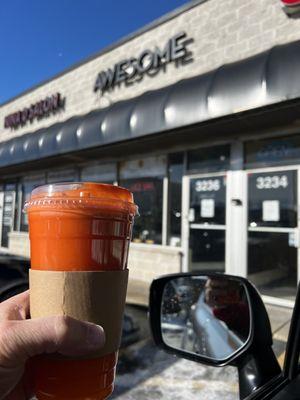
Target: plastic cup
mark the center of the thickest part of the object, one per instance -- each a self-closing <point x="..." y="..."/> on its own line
<point x="78" y="227"/>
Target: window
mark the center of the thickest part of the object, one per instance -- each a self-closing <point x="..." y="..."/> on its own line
<point x="175" y="189"/>
<point x="62" y="175"/>
<point x="215" y="158"/>
<point x="266" y="152"/>
<point x="144" y="178"/>
<point x="8" y="198"/>
<point x="106" y="173"/>
<point x="25" y="188"/>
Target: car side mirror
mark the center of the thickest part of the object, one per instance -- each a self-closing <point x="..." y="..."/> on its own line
<point x="217" y="320"/>
<point x="209" y="317"/>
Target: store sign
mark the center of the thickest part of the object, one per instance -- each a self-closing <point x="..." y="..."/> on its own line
<point x="291" y="7"/>
<point x="147" y="62"/>
<point x="291" y="3"/>
<point x="38" y="110"/>
<point x="142" y="187"/>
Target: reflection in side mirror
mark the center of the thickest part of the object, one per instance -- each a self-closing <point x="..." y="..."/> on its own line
<point x="208" y="316"/>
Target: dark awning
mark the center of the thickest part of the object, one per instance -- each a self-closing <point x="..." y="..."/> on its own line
<point x="267" y="78"/>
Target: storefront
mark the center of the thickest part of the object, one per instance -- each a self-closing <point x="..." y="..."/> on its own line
<point x="208" y="142"/>
<point x="245" y="222"/>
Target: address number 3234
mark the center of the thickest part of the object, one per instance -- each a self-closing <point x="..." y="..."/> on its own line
<point x="272" y="182"/>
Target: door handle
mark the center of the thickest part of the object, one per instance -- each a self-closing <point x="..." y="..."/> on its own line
<point x="236" y="202"/>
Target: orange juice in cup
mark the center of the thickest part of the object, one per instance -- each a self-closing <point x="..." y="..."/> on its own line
<point x="78" y="227"/>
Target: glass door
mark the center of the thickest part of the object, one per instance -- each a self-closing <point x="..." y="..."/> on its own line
<point x="206" y="222"/>
<point x="273" y="231"/>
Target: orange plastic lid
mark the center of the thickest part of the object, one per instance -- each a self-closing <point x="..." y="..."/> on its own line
<point x="80" y="196"/>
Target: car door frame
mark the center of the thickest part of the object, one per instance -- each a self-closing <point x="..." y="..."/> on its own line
<point x="291" y="367"/>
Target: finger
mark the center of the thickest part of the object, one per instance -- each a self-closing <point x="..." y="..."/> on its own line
<point x="15" y="308"/>
<point x="20" y="340"/>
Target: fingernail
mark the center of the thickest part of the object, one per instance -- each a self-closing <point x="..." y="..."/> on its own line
<point x="95" y="336"/>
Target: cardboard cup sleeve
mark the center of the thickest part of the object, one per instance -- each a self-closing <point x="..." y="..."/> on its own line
<point x="97" y="297"/>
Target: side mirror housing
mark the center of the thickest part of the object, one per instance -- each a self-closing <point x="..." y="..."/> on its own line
<point x="217" y="320"/>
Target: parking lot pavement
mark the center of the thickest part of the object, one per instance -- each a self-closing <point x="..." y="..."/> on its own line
<point x="280" y="319"/>
<point x="145" y="373"/>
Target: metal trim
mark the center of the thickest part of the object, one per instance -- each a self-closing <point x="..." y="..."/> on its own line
<point x="272" y="229"/>
<point x="208" y="227"/>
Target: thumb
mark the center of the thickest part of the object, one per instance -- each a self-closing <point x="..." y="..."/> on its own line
<point x="20" y="340"/>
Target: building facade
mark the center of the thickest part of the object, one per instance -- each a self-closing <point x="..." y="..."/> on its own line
<point x="198" y="115"/>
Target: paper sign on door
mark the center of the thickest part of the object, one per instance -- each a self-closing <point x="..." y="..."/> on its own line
<point x="207" y="208"/>
<point x="271" y="210"/>
<point x="191" y="215"/>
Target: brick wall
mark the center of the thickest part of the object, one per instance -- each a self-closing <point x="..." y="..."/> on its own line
<point x="223" y="32"/>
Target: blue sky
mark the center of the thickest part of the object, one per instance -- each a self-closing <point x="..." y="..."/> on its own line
<point x="39" y="38"/>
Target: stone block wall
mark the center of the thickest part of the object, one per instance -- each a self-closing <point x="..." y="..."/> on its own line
<point x="19" y="243"/>
<point x="147" y="262"/>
